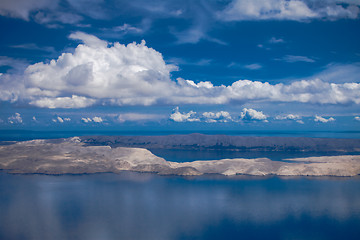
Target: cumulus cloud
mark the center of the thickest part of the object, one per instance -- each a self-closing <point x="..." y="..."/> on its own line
<point x="323" y="120"/>
<point x="177" y="116"/>
<point x="62" y="102"/>
<point x="305" y="91"/>
<point x="86" y="120"/>
<point x="130" y="74"/>
<point x="221" y="116"/>
<point x="249" y="114"/>
<point x="61" y="120"/>
<point x="94" y="119"/>
<point x="89" y="40"/>
<point x="97" y="119"/>
<point x="288" y="117"/>
<point x="15" y="119"/>
<point x="293" y="117"/>
<point x="105" y="73"/>
<point x="295" y="10"/>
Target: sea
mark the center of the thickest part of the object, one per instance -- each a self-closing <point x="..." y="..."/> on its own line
<point x="135" y="206"/>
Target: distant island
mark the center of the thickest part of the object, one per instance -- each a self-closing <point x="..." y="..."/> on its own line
<point x="97" y="154"/>
<point x="197" y="141"/>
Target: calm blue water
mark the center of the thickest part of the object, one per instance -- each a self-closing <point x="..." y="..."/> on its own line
<point x="177" y="155"/>
<point x="146" y="206"/>
<point x="21" y="135"/>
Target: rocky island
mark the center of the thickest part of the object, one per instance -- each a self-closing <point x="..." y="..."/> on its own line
<point x="84" y="155"/>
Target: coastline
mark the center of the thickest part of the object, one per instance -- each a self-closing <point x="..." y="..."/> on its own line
<point x="74" y="156"/>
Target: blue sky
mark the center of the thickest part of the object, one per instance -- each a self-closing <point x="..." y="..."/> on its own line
<point x="226" y="64"/>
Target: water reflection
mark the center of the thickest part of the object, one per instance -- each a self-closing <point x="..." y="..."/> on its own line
<point x="146" y="206"/>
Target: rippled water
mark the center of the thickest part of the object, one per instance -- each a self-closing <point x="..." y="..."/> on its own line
<point x="147" y="206"/>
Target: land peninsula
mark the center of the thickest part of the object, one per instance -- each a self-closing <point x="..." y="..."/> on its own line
<point x="96" y="154"/>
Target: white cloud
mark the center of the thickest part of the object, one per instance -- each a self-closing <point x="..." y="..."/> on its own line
<point x="293" y="117"/>
<point x="94" y="119"/>
<point x="124" y="75"/>
<point x="249" y="114"/>
<point x="61" y="102"/>
<point x="311" y="91"/>
<point x="295" y="10"/>
<point x="357" y="118"/>
<point x="88" y="40"/>
<point x="293" y="58"/>
<point x="61" y="120"/>
<point x="288" y="117"/>
<point x="323" y="120"/>
<point x="115" y="74"/>
<point x="221" y="116"/>
<point x="184" y="117"/>
<point x="97" y="119"/>
<point x="86" y="120"/>
<point x="15" y="118"/>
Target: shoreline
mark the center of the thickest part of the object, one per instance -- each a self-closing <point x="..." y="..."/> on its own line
<point x="206" y="176"/>
<point x="74" y="156"/>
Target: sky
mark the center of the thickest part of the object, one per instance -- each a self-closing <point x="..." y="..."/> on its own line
<point x="180" y="65"/>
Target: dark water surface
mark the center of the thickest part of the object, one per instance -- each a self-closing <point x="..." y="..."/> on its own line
<point x="22" y="135"/>
<point x="182" y="155"/>
<point x="177" y="155"/>
<point x="146" y="206"/>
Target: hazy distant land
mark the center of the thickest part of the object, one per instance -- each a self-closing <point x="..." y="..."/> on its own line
<point x="225" y="142"/>
<point x="75" y="156"/>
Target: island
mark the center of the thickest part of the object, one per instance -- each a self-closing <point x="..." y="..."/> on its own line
<point x="100" y="154"/>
